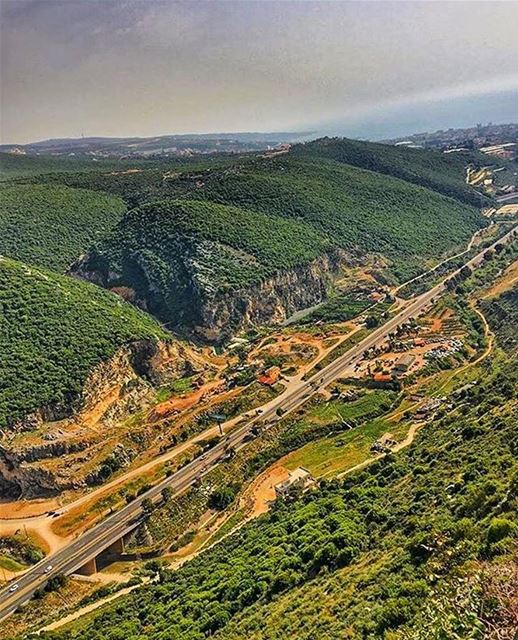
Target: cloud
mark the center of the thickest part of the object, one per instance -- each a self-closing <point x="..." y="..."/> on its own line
<point x="135" y="67"/>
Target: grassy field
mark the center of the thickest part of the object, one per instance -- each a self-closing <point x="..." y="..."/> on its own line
<point x="341" y="451"/>
<point x="11" y="564"/>
<point x="329" y="456"/>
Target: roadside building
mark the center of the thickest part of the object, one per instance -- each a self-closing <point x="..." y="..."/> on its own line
<point x="273" y="372"/>
<point x="383" y="444"/>
<point x="376" y="296"/>
<point x="270" y="376"/>
<point x="404" y="363"/>
<point x="382" y="378"/>
<point x="299" y="478"/>
<point x="428" y="408"/>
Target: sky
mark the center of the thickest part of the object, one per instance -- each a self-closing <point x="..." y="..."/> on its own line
<point x="149" y="67"/>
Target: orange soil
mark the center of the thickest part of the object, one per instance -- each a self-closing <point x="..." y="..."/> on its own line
<point x="437" y="321"/>
<point x="261" y="492"/>
<point x="187" y="401"/>
<point x="26" y="508"/>
<point x="38" y="530"/>
<point x="283" y="343"/>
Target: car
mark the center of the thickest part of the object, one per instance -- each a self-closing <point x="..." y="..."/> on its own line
<point x="48" y="568"/>
<point x="13" y="588"/>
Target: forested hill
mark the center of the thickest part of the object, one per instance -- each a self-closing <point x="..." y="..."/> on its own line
<point x="51" y="225"/>
<point x="218" y="244"/>
<point x="414" y="546"/>
<point x="53" y="331"/>
<point x="503" y="314"/>
<point x="440" y="172"/>
<point x="279" y="213"/>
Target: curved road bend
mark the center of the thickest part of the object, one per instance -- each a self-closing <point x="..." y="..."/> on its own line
<point x="92" y="542"/>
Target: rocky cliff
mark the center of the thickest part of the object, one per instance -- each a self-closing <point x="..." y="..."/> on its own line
<point x="53" y="450"/>
<point x="214" y="315"/>
<point x="270" y="302"/>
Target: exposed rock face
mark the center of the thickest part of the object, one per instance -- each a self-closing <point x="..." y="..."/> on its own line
<point x="214" y="316"/>
<point x="56" y="448"/>
<point x="272" y="301"/>
<point x="18" y="479"/>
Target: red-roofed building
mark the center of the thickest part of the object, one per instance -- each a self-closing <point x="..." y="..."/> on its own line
<point x="382" y="377"/>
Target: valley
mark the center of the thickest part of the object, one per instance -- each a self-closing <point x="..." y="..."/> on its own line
<point x="343" y="367"/>
<point x="258" y="320"/>
<point x="224" y="331"/>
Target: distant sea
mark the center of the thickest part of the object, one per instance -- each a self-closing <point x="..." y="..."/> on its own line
<point x="426" y="116"/>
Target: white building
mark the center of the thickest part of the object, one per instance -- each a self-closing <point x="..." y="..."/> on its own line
<point x="299" y="478"/>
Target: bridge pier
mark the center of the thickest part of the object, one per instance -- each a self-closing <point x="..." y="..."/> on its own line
<point x="89" y="568"/>
<point x="116" y="548"/>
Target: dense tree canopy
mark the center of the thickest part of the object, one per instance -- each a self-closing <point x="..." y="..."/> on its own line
<point x="200" y="235"/>
<point x="53" y="331"/>
<point x="50" y="226"/>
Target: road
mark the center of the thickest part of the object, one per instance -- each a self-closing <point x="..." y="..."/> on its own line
<point x="509" y="197"/>
<point x="92" y="542"/>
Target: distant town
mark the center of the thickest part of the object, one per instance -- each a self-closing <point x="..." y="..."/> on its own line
<point x="499" y="140"/>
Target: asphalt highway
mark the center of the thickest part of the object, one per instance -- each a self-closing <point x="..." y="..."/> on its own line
<point x="98" y="538"/>
<point x="509" y="197"/>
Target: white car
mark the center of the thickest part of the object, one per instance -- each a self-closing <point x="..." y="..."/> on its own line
<point x="49" y="568"/>
<point x="13" y="588"/>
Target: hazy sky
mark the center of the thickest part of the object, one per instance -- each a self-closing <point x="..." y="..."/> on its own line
<point x="146" y="67"/>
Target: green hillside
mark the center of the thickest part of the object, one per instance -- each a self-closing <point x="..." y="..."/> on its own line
<point x="404" y="549"/>
<point x="21" y="165"/>
<point x="253" y="217"/>
<point x="219" y="247"/>
<point x="50" y="226"/>
<point x="53" y="331"/>
<point x="355" y="208"/>
<point x="503" y="314"/>
<point x="246" y="222"/>
<point x="15" y="166"/>
<point x="440" y="172"/>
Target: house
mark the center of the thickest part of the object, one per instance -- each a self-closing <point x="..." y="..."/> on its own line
<point x="299" y="478"/>
<point x="382" y="377"/>
<point x="427" y="408"/>
<point x="270" y="376"/>
<point x="404" y="363"/>
<point x="376" y="296"/>
<point x="273" y="372"/>
<point x="387" y="440"/>
<point x="383" y="444"/>
<point x="419" y="342"/>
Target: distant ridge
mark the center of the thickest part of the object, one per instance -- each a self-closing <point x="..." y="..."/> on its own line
<point x="174" y="144"/>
